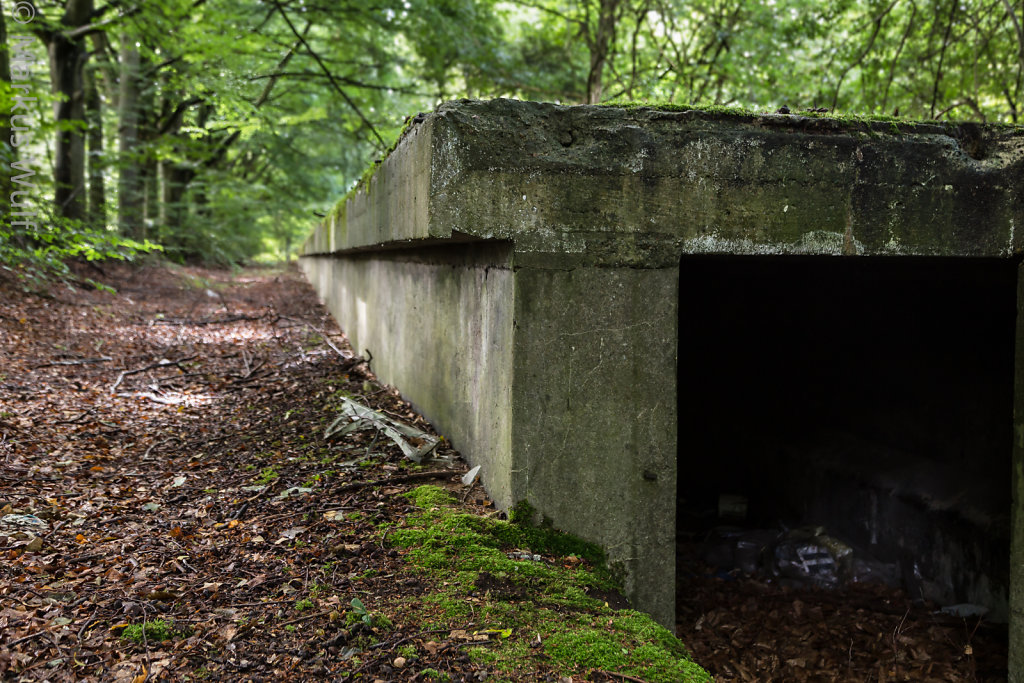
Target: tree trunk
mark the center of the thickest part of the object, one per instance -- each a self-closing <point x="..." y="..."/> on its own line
<point x="8" y="154"/>
<point x="174" y="207"/>
<point x="150" y="167"/>
<point x="600" y="43"/>
<point x="67" y="62"/>
<point x="97" y="211"/>
<point x="129" y="206"/>
<point x="150" y="195"/>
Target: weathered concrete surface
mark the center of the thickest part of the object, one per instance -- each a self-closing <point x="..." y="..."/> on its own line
<point x="641" y="187"/>
<point x="513" y="268"/>
<point x="441" y="330"/>
<point x="594" y="414"/>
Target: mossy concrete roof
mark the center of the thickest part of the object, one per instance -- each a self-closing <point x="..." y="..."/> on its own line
<point x="641" y="186"/>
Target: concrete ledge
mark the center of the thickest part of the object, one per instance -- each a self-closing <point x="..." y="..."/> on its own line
<point x="514" y="269"/>
<point x="633" y="187"/>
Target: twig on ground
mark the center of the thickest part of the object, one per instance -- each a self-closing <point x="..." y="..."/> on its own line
<point x="215" y="321"/>
<point x="74" y="420"/>
<point x="624" y="677"/>
<point x="323" y="335"/>
<point x="400" y="479"/>
<point x="391" y="644"/>
<point x="161" y="364"/>
<point x="25" y="638"/>
<point x="81" y="361"/>
<point x="305" y="618"/>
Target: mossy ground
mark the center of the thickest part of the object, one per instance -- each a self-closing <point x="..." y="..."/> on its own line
<point x="556" y="614"/>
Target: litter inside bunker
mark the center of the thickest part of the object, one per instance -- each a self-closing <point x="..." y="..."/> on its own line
<point x="847" y="422"/>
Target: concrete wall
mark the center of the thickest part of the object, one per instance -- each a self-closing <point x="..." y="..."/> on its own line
<point x="438" y="324"/>
<point x="594" y="409"/>
<point x="513" y="267"/>
<point x="480" y="346"/>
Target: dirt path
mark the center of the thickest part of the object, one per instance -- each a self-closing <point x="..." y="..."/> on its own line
<point x="163" y="471"/>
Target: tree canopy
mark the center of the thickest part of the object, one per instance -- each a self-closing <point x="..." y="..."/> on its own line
<point x="220" y="128"/>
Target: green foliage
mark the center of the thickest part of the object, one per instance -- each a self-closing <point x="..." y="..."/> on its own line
<point x="255" y="118"/>
<point x="40" y="252"/>
<point x="522" y="513"/>
<point x="443" y="539"/>
<point x="267" y="475"/>
<point x="360" y="615"/>
<point x="153" y="631"/>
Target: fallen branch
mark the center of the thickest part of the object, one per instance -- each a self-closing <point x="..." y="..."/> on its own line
<point x="80" y="361"/>
<point x="215" y="321"/>
<point x="161" y="364"/>
<point x="400" y="479"/>
<point x="624" y="677"/>
<point x="323" y="335"/>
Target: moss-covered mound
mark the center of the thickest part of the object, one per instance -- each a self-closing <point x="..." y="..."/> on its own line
<point x="538" y="600"/>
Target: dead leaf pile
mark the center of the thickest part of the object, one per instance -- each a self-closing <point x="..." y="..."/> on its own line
<point x="745" y="629"/>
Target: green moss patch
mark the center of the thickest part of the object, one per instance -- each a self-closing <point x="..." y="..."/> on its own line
<point x="546" y="599"/>
<point x="152" y="632"/>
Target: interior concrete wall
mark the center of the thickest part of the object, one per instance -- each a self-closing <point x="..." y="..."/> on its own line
<point x="1016" y="663"/>
<point x="871" y="396"/>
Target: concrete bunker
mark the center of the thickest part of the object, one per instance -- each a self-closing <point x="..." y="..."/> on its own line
<point x="538" y="279"/>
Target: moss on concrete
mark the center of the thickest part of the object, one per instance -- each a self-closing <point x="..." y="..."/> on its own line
<point x="796" y="112"/>
<point x="552" y="614"/>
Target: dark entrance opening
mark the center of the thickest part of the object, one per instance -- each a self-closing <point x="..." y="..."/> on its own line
<point x="869" y="396"/>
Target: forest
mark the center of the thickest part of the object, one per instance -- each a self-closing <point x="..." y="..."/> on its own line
<point x="201" y="478"/>
<point x="219" y="130"/>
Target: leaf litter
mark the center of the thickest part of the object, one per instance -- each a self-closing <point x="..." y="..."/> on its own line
<point x="171" y="507"/>
<point x="744" y="628"/>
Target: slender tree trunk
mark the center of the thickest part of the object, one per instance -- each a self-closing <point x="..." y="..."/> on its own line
<point x="174" y="208"/>
<point x="150" y="194"/>
<point x="8" y="154"/>
<point x="150" y="166"/>
<point x="130" y="216"/>
<point x="97" y="211"/>
<point x="67" y="62"/>
<point x="600" y="44"/>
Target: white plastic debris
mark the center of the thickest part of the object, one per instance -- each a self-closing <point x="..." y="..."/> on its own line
<point x="469" y="478"/>
<point x="22" y="522"/>
<point x="415" y="444"/>
<point x="523" y="555"/>
<point x="965" y="609"/>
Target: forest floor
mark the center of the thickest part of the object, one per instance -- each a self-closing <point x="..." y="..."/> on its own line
<point x="170" y="509"/>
